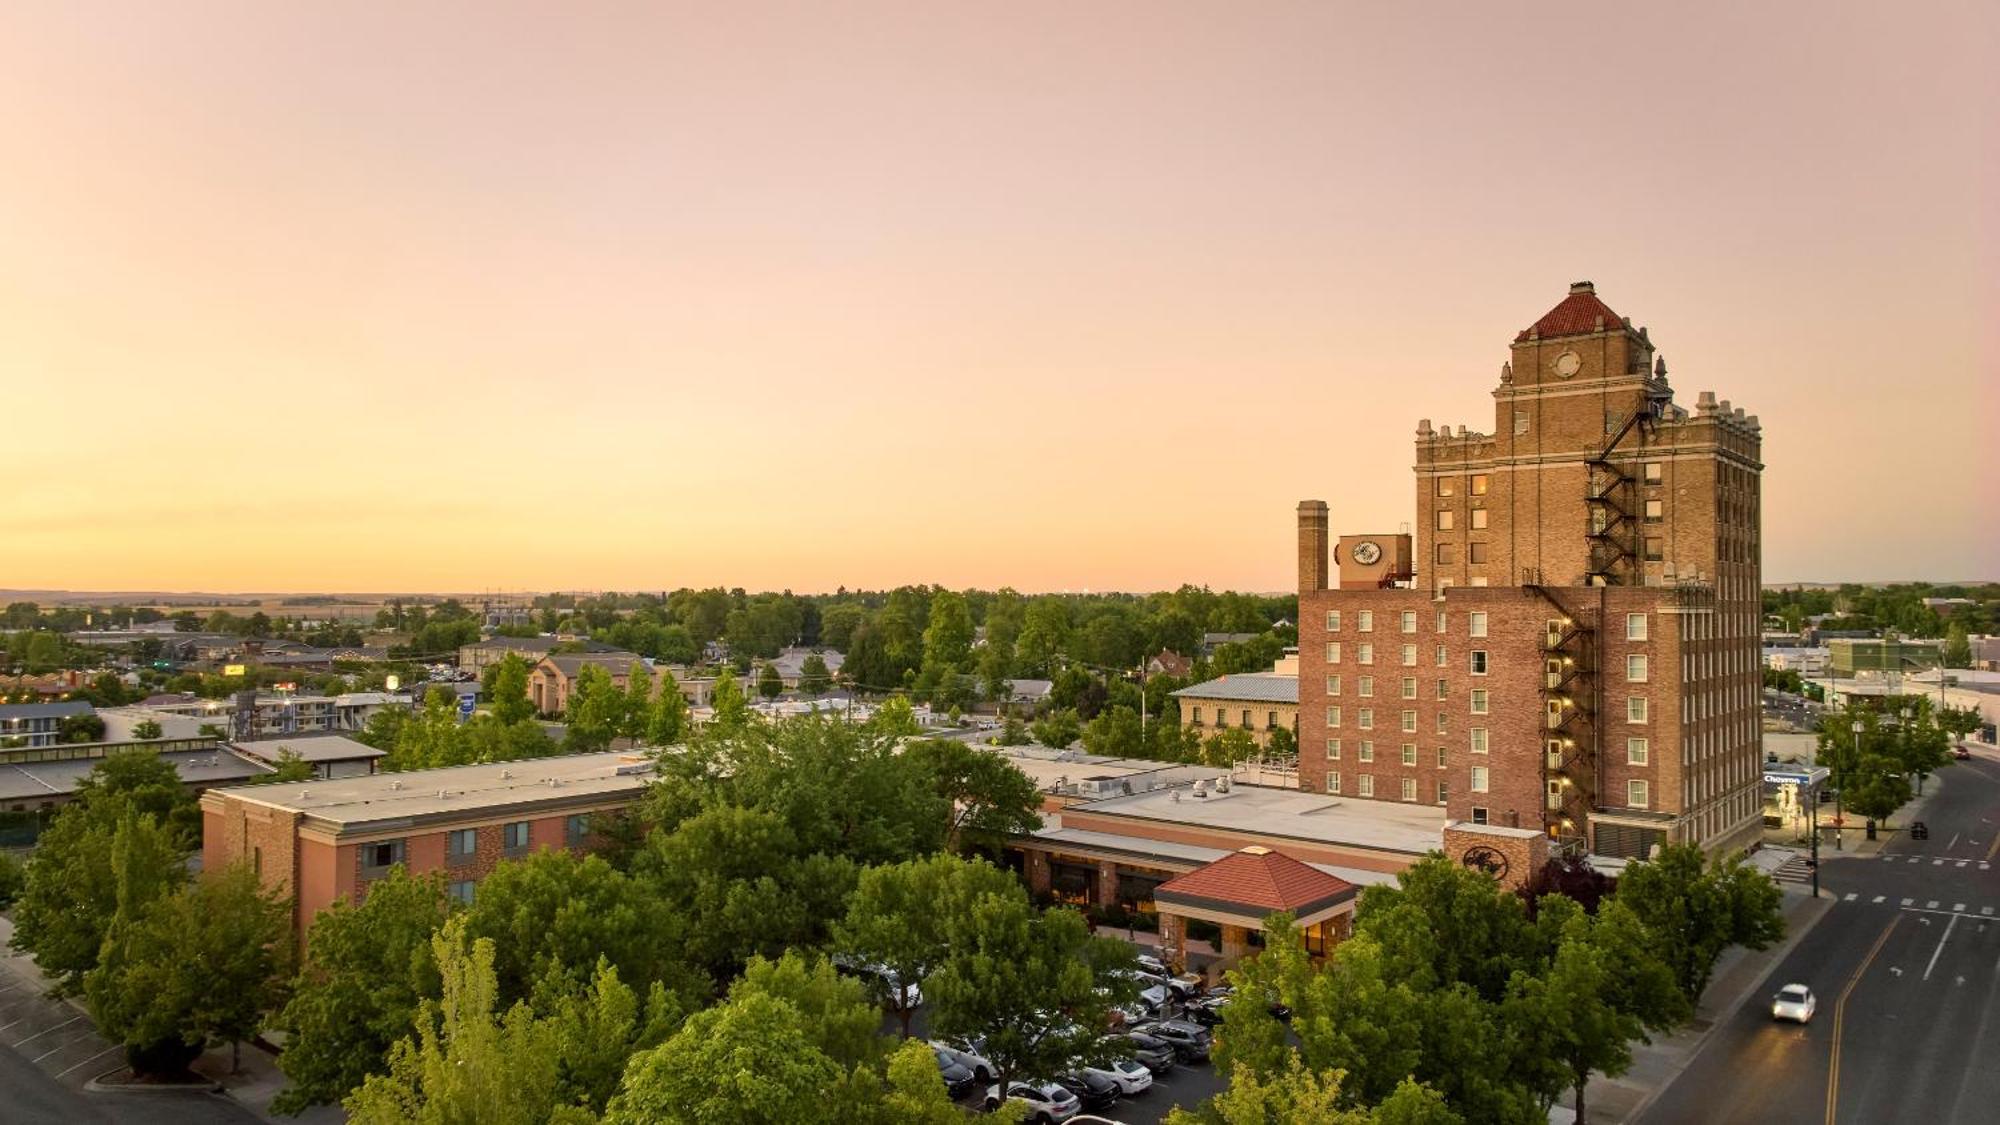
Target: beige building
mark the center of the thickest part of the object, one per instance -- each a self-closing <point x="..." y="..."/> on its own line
<point x="1570" y="643"/>
<point x="1258" y="702"/>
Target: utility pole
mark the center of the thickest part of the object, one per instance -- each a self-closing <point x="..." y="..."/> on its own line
<point x="1813" y="801"/>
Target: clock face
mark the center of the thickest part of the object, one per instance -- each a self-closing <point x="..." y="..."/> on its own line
<point x="1366" y="553"/>
<point x="1568" y="364"/>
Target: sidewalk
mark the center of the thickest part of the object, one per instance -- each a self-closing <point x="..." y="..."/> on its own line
<point x="1739" y="973"/>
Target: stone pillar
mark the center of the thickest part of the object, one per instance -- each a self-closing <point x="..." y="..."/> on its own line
<point x="1107" y="883"/>
<point x="1037" y="867"/>
<point x="1173" y="939"/>
<point x="1235" y="945"/>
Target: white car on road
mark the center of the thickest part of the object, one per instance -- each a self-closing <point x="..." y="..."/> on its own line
<point x="1793" y="1002"/>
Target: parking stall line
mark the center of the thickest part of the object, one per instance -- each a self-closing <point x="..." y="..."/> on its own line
<point x="91" y="1059"/>
<point x="65" y="1045"/>
<point x="45" y="1031"/>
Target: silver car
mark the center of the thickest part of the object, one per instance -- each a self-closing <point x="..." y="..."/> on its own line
<point x="1793" y="1002"/>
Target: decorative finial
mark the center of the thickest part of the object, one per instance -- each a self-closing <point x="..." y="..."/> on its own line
<point x="1659" y="367"/>
<point x="1507" y="371"/>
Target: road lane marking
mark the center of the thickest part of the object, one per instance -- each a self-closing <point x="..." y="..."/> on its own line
<point x="1879" y="898"/>
<point x="1931" y="905"/>
<point x="1908" y="901"/>
<point x="1839" y="1017"/>
<point x="1937" y="863"/>
<point x="1940" y="948"/>
<point x="1916" y="859"/>
<point x="1957" y="907"/>
<point x="1851" y="896"/>
<point x="1960" y="863"/>
<point x="1986" y="910"/>
<point x="1954" y="841"/>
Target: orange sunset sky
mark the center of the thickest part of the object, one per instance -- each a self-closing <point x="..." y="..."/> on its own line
<point x="384" y="296"/>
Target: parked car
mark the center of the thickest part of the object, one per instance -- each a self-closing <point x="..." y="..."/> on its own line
<point x="1207" y="1013"/>
<point x="1153" y="965"/>
<point x="1047" y="1102"/>
<point x="1220" y="995"/>
<point x="970" y="1055"/>
<point x="882" y="981"/>
<point x="1131" y="1075"/>
<point x="958" y="1078"/>
<point x="1961" y="752"/>
<point x="1794" y="1002"/>
<point x="1190" y="1040"/>
<point x="1154" y="999"/>
<point x="1156" y="1054"/>
<point x="1186" y="985"/>
<point x="1093" y="1091"/>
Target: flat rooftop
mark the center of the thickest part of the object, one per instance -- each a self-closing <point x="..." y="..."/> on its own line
<point x="1141" y="847"/>
<point x="1286" y="814"/>
<point x="359" y="802"/>
<point x="30" y="781"/>
<point x="1064" y="769"/>
<point x="309" y="747"/>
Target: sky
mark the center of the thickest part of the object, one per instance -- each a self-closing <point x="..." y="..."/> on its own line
<point x="479" y="296"/>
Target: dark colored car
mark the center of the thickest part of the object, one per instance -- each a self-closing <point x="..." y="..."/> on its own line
<point x="958" y="1078"/>
<point x="1094" y="1092"/>
<point x="1190" y="1040"/>
<point x="1920" y="831"/>
<point x="1157" y="1054"/>
<point x="1207" y="1013"/>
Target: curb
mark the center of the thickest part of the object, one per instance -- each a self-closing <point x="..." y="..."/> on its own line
<point x="98" y="1085"/>
<point x="1821" y="908"/>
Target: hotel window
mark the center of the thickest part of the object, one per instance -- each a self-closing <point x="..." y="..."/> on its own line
<point x="1655" y="511"/>
<point x="1475" y="552"/>
<point x="1478" y="522"/>
<point x="1441" y="753"/>
<point x="1365" y="718"/>
<point x="1333" y="716"/>
<point x="1409" y="621"/>
<point x="1409" y="722"/>
<point x="1445" y="519"/>
<point x="1479" y="740"/>
<point x="1478" y="664"/>
<point x="1222" y="718"/>
<point x="1636" y="794"/>
<point x="1655" y="548"/>
<point x="1478" y="815"/>
<point x="1364" y="686"/>
<point x="1476" y="623"/>
<point x="1333" y="652"/>
<point x="1409" y="753"/>
<point x="514" y="837"/>
<point x="1333" y="783"/>
<point x="461" y="891"/>
<point x="1409" y="687"/>
<point x="1635" y="668"/>
<point x="1364" y="653"/>
<point x="1367" y="751"/>
<point x="1479" y="484"/>
<point x="460" y="845"/>
<point x="1442" y="620"/>
<point x="1409" y="656"/>
<point x="1444" y="722"/>
<point x="1444" y="689"/>
<point x="1520" y="422"/>
<point x="1409" y="789"/>
<point x="1611" y="420"/>
<point x="1441" y="792"/>
<point x="1635" y="752"/>
<point x="1333" y="685"/>
<point x="577" y="827"/>
<point x="1270" y="720"/>
<point x="1445" y="485"/>
<point x="1367" y="785"/>
<point x="1479" y="779"/>
<point x="1635" y="709"/>
<point x="1333" y="749"/>
<point x="1365" y="621"/>
<point x="1333" y="621"/>
<point x="1479" y="701"/>
<point x="1446" y="554"/>
<point x="1196" y="713"/>
<point x="376" y="859"/>
<point x="1247" y="724"/>
<point x="1653" y="472"/>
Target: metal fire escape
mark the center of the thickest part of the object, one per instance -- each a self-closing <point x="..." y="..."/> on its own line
<point x="1569" y="721"/>
<point x="1612" y="530"/>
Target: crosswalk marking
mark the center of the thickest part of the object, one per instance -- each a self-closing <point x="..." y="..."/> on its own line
<point x="1937" y="863"/>
<point x="1961" y="863"/>
<point x="1958" y="908"/>
<point x="1984" y="866"/>
<point x="1931" y="905"/>
<point x="1908" y="901"/>
<point x="1916" y="859"/>
<point x="1851" y="896"/>
<point x="1879" y="898"/>
<point x="1986" y="910"/>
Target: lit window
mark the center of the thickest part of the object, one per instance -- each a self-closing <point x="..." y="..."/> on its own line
<point x="1479" y="701"/>
<point x="1333" y="621"/>
<point x="1635" y="752"/>
<point x="1479" y="484"/>
<point x="1409" y="789"/>
<point x="1445" y="485"/>
<point x="1445" y="519"/>
<point x="1635" y="626"/>
<point x="1365" y="621"/>
<point x="1476" y="623"/>
<point x="1636" y="794"/>
<point x="1635" y="668"/>
<point x="1367" y="784"/>
<point x="1478" y="522"/>
<point x="1333" y="685"/>
<point x="1478" y="662"/>
<point x="1479" y="779"/>
<point x="1367" y="751"/>
<point x="1333" y="652"/>
<point x="1655" y="511"/>
<point x="1635" y="709"/>
<point x="1479" y="740"/>
<point x="1653" y="472"/>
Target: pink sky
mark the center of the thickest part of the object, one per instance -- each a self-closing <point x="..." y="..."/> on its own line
<point x="371" y="296"/>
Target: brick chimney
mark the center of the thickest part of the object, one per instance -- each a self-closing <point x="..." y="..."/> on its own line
<point x="1312" y="546"/>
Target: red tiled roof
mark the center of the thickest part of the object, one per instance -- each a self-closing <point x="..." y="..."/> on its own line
<point x="1259" y="878"/>
<point x="1577" y="315"/>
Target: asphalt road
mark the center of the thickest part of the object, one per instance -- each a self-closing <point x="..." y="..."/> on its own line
<point x="1906" y="969"/>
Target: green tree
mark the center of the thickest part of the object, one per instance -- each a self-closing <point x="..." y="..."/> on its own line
<point x="895" y="718"/>
<point x="596" y="711"/>
<point x="836" y="1012"/>
<point x="562" y="913"/>
<point x="1957" y="651"/>
<point x="142" y="779"/>
<point x="367" y="968"/>
<point x="12" y="878"/>
<point x="468" y="1060"/>
<point x="1694" y="910"/>
<point x="505" y="684"/>
<point x="730" y="708"/>
<point x="637" y="717"/>
<point x="747" y="1060"/>
<point x="99" y="861"/>
<point x="667" y="715"/>
<point x="1058" y="730"/>
<point x="916" y="1093"/>
<point x="147" y="730"/>
<point x="987" y="799"/>
<point x="598" y="1028"/>
<point x="770" y="685"/>
<point x="1114" y="733"/>
<point x="86" y="727"/>
<point x="288" y="768"/>
<point x="1228" y="747"/>
<point x="903" y="916"/>
<point x="196" y="967"/>
<point x="814" y="679"/>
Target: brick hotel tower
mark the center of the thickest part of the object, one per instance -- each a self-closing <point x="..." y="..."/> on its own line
<point x="1571" y="642"/>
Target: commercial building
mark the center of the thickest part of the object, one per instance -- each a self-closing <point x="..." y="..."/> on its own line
<point x="324" y="840"/>
<point x="331" y="756"/>
<point x="37" y="724"/>
<point x="1257" y="702"/>
<point x="45" y="778"/>
<point x="480" y="655"/>
<point x="1880" y="656"/>
<point x="1570" y="645"/>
